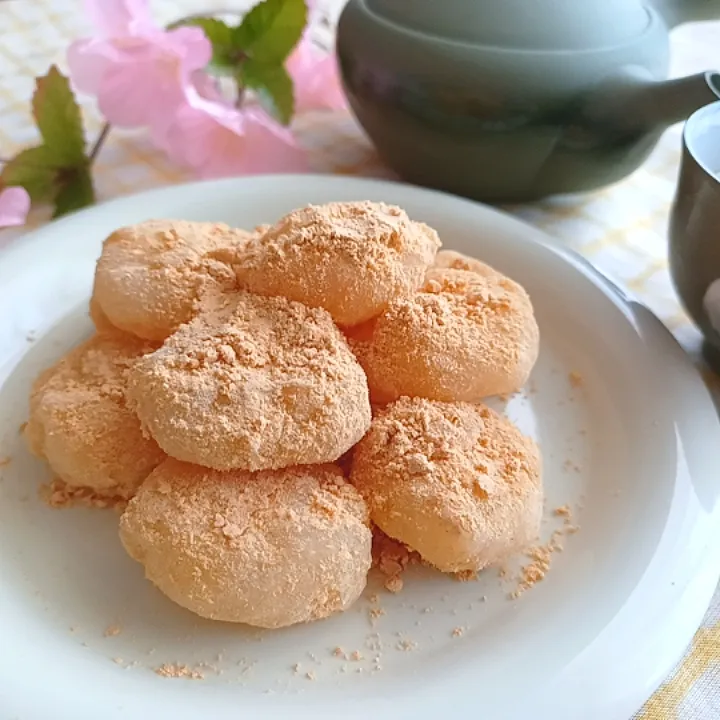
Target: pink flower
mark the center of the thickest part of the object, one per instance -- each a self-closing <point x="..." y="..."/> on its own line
<point x="217" y="140"/>
<point x="136" y="69"/>
<point x="115" y="18"/>
<point x="316" y="78"/>
<point x="14" y="206"/>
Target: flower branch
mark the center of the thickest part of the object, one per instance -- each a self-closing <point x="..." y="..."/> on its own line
<point x="173" y="83"/>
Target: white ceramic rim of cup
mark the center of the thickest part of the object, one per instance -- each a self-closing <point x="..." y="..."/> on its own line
<point x="701" y="128"/>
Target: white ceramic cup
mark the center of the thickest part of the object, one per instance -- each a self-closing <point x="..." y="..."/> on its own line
<point x="695" y="227"/>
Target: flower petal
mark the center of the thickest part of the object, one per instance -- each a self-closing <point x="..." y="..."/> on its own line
<point x="217" y="140"/>
<point x="87" y="61"/>
<point x="269" y="147"/>
<point x="192" y="45"/>
<point x="116" y="18"/>
<point x="189" y="138"/>
<point x="134" y="93"/>
<point x="316" y="78"/>
<point x="14" y="206"/>
<point x="137" y="78"/>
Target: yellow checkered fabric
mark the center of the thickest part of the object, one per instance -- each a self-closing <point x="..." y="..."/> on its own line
<point x="621" y="229"/>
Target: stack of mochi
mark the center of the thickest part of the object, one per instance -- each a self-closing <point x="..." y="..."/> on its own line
<point x="262" y="400"/>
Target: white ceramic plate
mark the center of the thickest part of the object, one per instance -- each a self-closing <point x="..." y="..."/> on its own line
<point x="633" y="452"/>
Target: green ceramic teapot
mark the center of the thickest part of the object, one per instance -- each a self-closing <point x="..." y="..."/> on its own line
<point x="516" y="100"/>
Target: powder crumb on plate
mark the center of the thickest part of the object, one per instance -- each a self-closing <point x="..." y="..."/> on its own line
<point x="208" y="667"/>
<point x="406" y="645"/>
<point x="375" y="613"/>
<point x="569" y="527"/>
<point x="356" y="655"/>
<point x="177" y="670"/>
<point x="374" y="642"/>
<point x="466" y="575"/>
<point x="310" y="675"/>
<point x="61" y="495"/>
<point x="575" y="379"/>
<point x="112" y="630"/>
<point x="118" y="660"/>
<point x="537" y="569"/>
<point x="458" y="631"/>
<point x="338" y="652"/>
<point x="391" y="558"/>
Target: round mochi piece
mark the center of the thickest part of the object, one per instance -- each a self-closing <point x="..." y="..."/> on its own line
<point x="254" y="383"/>
<point x="150" y="276"/>
<point x="453" y="260"/>
<point x="268" y="549"/>
<point x="351" y="258"/>
<point x="80" y="422"/>
<point x="456" y="482"/>
<point x="464" y="337"/>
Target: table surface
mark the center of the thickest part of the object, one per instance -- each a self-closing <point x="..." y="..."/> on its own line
<point x="621" y="229"/>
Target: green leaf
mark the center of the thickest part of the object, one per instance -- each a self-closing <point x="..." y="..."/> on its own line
<point x="270" y="31"/>
<point x="226" y="57"/>
<point x="33" y="170"/>
<point x="58" y="118"/>
<point x="76" y="191"/>
<point x="274" y="89"/>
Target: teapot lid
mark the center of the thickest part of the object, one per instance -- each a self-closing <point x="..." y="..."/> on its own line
<point x="544" y="25"/>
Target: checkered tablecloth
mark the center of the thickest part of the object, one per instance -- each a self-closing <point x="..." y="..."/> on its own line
<point x="621" y="229"/>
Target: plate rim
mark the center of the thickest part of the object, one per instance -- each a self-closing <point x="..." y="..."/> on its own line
<point x="698" y="589"/>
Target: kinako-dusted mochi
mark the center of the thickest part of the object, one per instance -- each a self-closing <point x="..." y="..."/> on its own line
<point x="150" y="276"/>
<point x="81" y="425"/>
<point x="268" y="549"/>
<point x="254" y="383"/>
<point x="351" y="258"/>
<point x="456" y="482"/>
<point x="463" y="337"/>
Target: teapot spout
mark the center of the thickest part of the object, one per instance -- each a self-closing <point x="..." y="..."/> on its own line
<point x="671" y="101"/>
<point x="634" y="103"/>
<point x="677" y="12"/>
